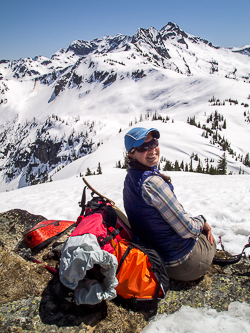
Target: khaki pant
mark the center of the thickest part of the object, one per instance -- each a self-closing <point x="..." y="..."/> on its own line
<point x="198" y="262"/>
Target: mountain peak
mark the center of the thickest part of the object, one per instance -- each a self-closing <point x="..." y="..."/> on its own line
<point x="172" y="29"/>
<point x="170" y="26"/>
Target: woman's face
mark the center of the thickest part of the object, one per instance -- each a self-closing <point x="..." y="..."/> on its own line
<point x="150" y="157"/>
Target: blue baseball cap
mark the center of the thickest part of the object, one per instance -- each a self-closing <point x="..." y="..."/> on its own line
<point x="137" y="135"/>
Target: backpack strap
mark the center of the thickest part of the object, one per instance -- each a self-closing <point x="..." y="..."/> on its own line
<point x="155" y="299"/>
<point x="111" y="216"/>
<point x="125" y="254"/>
<point x="110" y="221"/>
<point x="82" y="203"/>
<point x="112" y="234"/>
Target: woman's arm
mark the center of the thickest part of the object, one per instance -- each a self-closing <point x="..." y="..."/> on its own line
<point x="157" y="193"/>
<point x="208" y="232"/>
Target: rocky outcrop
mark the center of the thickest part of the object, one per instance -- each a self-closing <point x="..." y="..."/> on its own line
<point x="36" y="157"/>
<point x="34" y="300"/>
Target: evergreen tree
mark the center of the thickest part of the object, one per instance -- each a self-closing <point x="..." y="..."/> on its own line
<point x="191" y="165"/>
<point x="199" y="167"/>
<point x="88" y="172"/>
<point x="99" y="169"/>
<point x="176" y="166"/>
<point x="168" y="166"/>
<point x="213" y="171"/>
<point x="207" y="165"/>
<point x="247" y="160"/>
<point x="125" y="162"/>
<point x="222" y="165"/>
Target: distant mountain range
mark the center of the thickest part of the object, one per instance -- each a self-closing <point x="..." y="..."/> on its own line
<point x="54" y="111"/>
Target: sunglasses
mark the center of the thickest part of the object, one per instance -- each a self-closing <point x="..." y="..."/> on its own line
<point x="145" y="146"/>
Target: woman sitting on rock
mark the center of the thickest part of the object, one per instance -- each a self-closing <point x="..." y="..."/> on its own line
<point x="157" y="218"/>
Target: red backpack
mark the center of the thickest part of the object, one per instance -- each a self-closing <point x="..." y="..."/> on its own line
<point x="102" y="218"/>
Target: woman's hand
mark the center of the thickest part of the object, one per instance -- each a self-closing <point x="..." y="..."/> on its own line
<point x="208" y="231"/>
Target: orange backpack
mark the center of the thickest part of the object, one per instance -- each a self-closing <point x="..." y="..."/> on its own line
<point x="141" y="273"/>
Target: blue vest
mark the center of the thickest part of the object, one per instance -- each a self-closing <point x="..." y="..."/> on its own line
<point x="148" y="224"/>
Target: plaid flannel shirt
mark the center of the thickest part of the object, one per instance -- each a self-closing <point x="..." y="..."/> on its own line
<point x="157" y="193"/>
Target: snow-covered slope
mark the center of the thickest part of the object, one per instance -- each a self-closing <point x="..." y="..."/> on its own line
<point x="54" y="111"/>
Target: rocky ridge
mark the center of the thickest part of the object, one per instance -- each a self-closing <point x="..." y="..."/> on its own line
<point x="33" y="300"/>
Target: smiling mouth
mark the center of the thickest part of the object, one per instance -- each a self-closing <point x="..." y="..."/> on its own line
<point x="149" y="158"/>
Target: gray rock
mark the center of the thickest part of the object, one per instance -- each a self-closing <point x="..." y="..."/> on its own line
<point x="33" y="300"/>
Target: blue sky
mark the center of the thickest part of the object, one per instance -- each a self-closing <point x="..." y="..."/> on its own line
<point x="31" y="27"/>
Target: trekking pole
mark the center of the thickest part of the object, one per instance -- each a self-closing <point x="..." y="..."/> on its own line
<point x="50" y="269"/>
<point x="220" y="242"/>
<point x="25" y="254"/>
